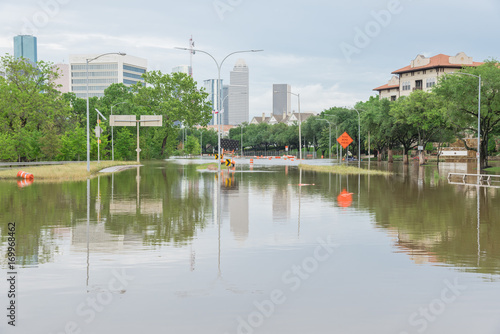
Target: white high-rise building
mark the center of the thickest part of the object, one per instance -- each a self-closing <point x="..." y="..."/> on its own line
<point x="238" y="94"/>
<point x="103" y="72"/>
<point x="281" y="99"/>
<point x="186" y="69"/>
<point x="214" y="90"/>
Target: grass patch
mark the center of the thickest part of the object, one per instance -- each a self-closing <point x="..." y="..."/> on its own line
<point x="210" y="165"/>
<point x="343" y="169"/>
<point x="64" y="172"/>
<point x="493" y="169"/>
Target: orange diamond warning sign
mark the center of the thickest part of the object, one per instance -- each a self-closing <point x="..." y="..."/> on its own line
<point x="344" y="140"/>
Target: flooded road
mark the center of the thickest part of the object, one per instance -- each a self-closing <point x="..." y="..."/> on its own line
<point x="165" y="248"/>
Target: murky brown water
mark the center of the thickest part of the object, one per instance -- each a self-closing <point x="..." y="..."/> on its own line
<point x="168" y="249"/>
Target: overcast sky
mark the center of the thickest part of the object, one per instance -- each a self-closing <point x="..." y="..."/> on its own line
<point x="333" y="53"/>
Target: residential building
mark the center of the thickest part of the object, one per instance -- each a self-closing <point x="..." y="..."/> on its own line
<point x="238" y="94"/>
<point x="258" y="120"/>
<point x="25" y="46"/>
<point x="290" y="119"/>
<point x="294" y="117"/>
<point x="282" y="98"/>
<point x="104" y="71"/>
<point x="64" y="79"/>
<point x="213" y="89"/>
<point x="422" y="74"/>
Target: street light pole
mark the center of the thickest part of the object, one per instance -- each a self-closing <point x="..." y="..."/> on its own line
<point x="112" y="133"/>
<point x="241" y="139"/>
<point x="359" y="138"/>
<point x="88" y="131"/>
<point x="219" y="88"/>
<point x="330" y="137"/>
<point x="300" y="126"/>
<point x="336" y="136"/>
<point x="300" y="121"/>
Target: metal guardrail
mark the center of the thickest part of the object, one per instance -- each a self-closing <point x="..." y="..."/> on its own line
<point x="485" y="180"/>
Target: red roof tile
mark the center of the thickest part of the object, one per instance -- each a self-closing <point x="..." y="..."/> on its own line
<point x="440" y="60"/>
<point x="386" y="86"/>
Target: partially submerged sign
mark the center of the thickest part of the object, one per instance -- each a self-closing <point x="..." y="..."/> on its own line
<point x="344" y="140"/>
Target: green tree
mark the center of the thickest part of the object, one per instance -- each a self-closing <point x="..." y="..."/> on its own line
<point x="125" y="144"/>
<point x="461" y="94"/>
<point x="73" y="145"/>
<point x="208" y="139"/>
<point x="8" y="151"/>
<point x="379" y="124"/>
<point x="176" y="97"/>
<point x="192" y="145"/>
<point x="424" y="115"/>
<point x="346" y="121"/>
<point x="50" y="143"/>
<point x="30" y="102"/>
<point x="311" y="131"/>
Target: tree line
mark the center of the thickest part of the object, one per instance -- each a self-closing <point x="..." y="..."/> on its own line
<point x="39" y="123"/>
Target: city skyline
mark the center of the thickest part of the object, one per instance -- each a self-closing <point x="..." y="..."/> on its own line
<point x="332" y="53"/>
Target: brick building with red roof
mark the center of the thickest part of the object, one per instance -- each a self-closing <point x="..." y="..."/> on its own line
<point x="422" y="74"/>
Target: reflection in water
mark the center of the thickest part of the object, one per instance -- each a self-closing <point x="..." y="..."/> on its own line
<point x="24" y="183"/>
<point x="428" y="218"/>
<point x="344" y="199"/>
<point x="207" y="245"/>
<point x="478" y="226"/>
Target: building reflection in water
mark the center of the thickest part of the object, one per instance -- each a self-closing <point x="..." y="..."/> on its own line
<point x="282" y="205"/>
<point x="235" y="198"/>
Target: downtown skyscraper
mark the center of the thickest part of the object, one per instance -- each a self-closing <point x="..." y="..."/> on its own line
<point x="238" y="94"/>
<point x="281" y="99"/>
<point x="25" y="46"/>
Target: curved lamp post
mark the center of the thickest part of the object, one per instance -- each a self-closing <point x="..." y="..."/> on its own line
<point x="88" y="60"/>
<point x="300" y="121"/>
<point x="219" y="89"/>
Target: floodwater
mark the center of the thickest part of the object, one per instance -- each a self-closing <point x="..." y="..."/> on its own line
<point x="165" y="248"/>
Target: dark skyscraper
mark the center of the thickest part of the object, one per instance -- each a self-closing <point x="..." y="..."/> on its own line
<point x="281" y="99"/>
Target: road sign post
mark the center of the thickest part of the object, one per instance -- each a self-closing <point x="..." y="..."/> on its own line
<point x="345" y="140"/>
<point x="131" y="120"/>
